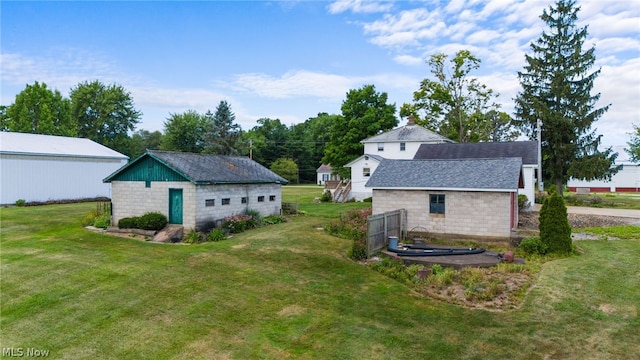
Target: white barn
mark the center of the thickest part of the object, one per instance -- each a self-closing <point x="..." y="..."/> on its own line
<point x="37" y="167"/>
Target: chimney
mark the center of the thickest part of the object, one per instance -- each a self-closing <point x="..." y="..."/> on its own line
<point x="411" y="120"/>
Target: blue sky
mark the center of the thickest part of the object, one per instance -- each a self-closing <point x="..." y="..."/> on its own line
<point x="294" y="59"/>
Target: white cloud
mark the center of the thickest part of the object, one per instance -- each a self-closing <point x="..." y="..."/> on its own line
<point x="359" y="6"/>
<point x="408" y="60"/>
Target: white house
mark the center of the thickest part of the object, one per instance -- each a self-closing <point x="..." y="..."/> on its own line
<point x="400" y="143"/>
<point x="525" y="150"/>
<point x="37" y="167"/>
<point x="324" y="174"/>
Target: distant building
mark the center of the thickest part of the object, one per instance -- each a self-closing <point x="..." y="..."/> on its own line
<point x="324" y="174"/>
<point x="37" y="167"/>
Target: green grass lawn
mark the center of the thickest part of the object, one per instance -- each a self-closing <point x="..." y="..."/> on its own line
<point x="286" y="291"/>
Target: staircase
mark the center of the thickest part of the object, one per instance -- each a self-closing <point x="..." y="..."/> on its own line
<point x="341" y="191"/>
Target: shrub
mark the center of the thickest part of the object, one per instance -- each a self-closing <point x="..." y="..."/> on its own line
<point x="216" y="235"/>
<point x="103" y="221"/>
<point x="152" y="221"/>
<point x="540" y="196"/>
<point x="128" y="223"/>
<point x="533" y="246"/>
<point x="326" y="196"/>
<point x="358" y="250"/>
<point x="237" y="223"/>
<point x="192" y="237"/>
<point x="369" y="199"/>
<point x="523" y="202"/>
<point x="254" y="220"/>
<point x="555" y="231"/>
<point x="21" y="202"/>
<point x="273" y="219"/>
<point x="89" y="219"/>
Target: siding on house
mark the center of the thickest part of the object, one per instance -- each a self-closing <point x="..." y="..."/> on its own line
<point x="37" y="167"/>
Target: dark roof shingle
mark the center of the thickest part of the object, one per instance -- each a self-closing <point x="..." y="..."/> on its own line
<point x="527" y="150"/>
<point x="469" y="174"/>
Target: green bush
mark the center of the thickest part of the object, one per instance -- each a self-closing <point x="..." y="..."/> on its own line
<point x="128" y="223"/>
<point x="369" y="199"/>
<point x="358" y="250"/>
<point x="523" y="202"/>
<point x="555" y="231"/>
<point x="103" y="221"/>
<point x="192" y="237"/>
<point x="89" y="219"/>
<point x="152" y="221"/>
<point x="216" y="235"/>
<point x="273" y="219"/>
<point x="237" y="223"/>
<point x="326" y="196"/>
<point x="254" y="220"/>
<point x="21" y="202"/>
<point x="533" y="246"/>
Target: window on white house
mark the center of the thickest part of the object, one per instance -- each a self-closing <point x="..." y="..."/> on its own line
<point x="272" y="198"/>
<point x="210" y="202"/>
<point x="226" y="201"/>
<point x="403" y="146"/>
<point x="260" y="198"/>
<point x="380" y="146"/>
<point x="436" y="203"/>
<point x="366" y="172"/>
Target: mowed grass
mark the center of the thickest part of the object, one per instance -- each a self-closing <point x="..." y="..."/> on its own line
<point x="286" y="291"/>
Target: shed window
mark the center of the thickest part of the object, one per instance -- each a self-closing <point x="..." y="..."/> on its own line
<point x="260" y="198"/>
<point x="380" y="146"/>
<point x="210" y="202"/>
<point x="403" y="146"/>
<point x="272" y="198"/>
<point x="147" y="184"/>
<point x="244" y="200"/>
<point x="366" y="172"/>
<point x="226" y="201"/>
<point x="436" y="203"/>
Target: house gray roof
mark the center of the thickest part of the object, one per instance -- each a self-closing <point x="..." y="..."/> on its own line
<point x="374" y="157"/>
<point x="503" y="174"/>
<point x="50" y="145"/>
<point x="408" y="133"/>
<point x="527" y="150"/>
<point x="210" y="169"/>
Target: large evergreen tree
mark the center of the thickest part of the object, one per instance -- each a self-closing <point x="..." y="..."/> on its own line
<point x="223" y="133"/>
<point x="39" y="110"/>
<point x="365" y="113"/>
<point x="556" y="89"/>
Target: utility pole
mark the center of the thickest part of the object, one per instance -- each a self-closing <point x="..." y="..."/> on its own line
<point x="251" y="149"/>
<point x="540" y="185"/>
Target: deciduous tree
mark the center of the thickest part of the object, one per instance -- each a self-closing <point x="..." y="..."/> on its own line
<point x="365" y="113"/>
<point x="634" y="145"/>
<point x="105" y="114"/>
<point x="556" y="89"/>
<point x="185" y="132"/>
<point x="287" y="168"/>
<point x="39" y="110"/>
<point x="453" y="103"/>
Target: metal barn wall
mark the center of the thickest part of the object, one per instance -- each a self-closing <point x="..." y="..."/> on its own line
<point x="42" y="178"/>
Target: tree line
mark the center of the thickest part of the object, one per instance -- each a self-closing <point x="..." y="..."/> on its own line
<point x="556" y="82"/>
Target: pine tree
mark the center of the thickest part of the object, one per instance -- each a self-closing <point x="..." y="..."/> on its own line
<point x="555" y="231"/>
<point x="222" y="134"/>
<point x="556" y="89"/>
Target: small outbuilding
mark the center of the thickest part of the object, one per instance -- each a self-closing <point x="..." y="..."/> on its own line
<point x="194" y="190"/>
<point x="39" y="168"/>
<point x="461" y="198"/>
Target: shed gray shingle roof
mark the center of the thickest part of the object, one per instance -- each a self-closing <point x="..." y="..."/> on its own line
<point x="504" y="174"/>
<point x="407" y="133"/>
<point x="527" y="150"/>
<point x="212" y="169"/>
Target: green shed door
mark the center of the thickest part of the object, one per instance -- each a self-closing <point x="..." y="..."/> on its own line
<point x="175" y="206"/>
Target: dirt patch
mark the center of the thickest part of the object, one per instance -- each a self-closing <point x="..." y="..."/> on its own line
<point x="529" y="221"/>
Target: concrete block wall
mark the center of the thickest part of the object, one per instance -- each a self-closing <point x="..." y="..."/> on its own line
<point x="466" y="213"/>
<point x="132" y="198"/>
<point x="235" y="193"/>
